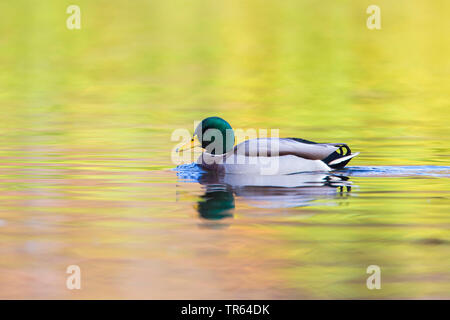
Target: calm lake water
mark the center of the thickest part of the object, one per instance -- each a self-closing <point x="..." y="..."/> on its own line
<point x="86" y="176"/>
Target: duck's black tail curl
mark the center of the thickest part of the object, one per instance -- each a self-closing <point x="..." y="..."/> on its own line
<point x="339" y="158"/>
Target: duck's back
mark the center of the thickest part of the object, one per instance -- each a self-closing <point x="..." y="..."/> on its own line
<point x="275" y="156"/>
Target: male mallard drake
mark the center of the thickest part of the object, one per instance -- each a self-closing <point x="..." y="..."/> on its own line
<point x="268" y="156"/>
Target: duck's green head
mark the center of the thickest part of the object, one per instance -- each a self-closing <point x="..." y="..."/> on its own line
<point x="213" y="134"/>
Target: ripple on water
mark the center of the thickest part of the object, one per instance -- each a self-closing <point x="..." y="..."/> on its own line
<point x="192" y="172"/>
<point x="189" y="172"/>
<point x="383" y="171"/>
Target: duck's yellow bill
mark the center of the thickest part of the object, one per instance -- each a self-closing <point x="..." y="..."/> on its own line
<point x="190" y="145"/>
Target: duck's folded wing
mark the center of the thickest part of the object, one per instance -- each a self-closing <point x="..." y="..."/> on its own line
<point x="269" y="147"/>
<point x="330" y="153"/>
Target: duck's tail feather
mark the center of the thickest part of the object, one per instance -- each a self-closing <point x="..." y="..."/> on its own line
<point x="339" y="158"/>
<point x="342" y="162"/>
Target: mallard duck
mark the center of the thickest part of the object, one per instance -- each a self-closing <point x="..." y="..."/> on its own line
<point x="266" y="156"/>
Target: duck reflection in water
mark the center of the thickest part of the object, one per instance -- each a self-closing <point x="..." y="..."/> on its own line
<point x="287" y="191"/>
<point x="217" y="203"/>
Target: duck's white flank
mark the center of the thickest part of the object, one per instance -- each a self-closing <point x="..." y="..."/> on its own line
<point x="240" y="164"/>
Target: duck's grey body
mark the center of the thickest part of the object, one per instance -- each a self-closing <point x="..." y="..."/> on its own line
<point x="278" y="156"/>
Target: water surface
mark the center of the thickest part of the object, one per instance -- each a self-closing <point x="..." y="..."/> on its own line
<point x="86" y="176"/>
